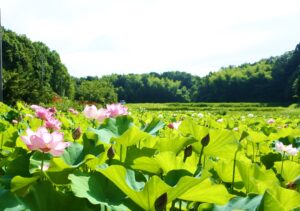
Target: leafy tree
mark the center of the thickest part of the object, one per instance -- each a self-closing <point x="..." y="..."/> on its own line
<point x="32" y="72"/>
<point x="99" y="91"/>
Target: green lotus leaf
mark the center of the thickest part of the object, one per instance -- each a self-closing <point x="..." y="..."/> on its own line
<point x="21" y="185"/>
<point x="222" y="144"/>
<point x="174" y="143"/>
<point x="184" y="185"/>
<point x="256" y="180"/>
<point x="18" y="163"/>
<point x="43" y="196"/>
<point x="97" y="189"/>
<point x="154" y="126"/>
<point x="190" y="129"/>
<point x="174" y="176"/>
<point x="224" y="168"/>
<point x="257" y="137"/>
<point x="9" y="202"/>
<point x="269" y="159"/>
<point x="9" y="136"/>
<point x="281" y="199"/>
<point x="35" y="123"/>
<point x="73" y="155"/>
<point x="147" y="164"/>
<point x="133" y="136"/>
<point x="35" y="161"/>
<point x="168" y="161"/>
<point x="146" y="197"/>
<point x="133" y="152"/>
<point x="206" y="191"/>
<point x="250" y="203"/>
<point x="59" y="171"/>
<point x="290" y="171"/>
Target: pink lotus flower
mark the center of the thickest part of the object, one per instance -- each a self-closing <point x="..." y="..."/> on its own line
<point x="289" y="149"/>
<point x="102" y="114"/>
<point x="271" y="121"/>
<point x="117" y="109"/>
<point x="43" y="113"/>
<point x="112" y="110"/>
<point x="43" y="141"/>
<point x="52" y="124"/>
<point x="73" y="111"/>
<point x="174" y="125"/>
<point x="35" y="107"/>
<point x="90" y="112"/>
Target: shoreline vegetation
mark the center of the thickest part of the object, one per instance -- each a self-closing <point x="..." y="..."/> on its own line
<point x="40" y="77"/>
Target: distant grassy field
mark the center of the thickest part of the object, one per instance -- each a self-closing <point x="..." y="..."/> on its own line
<point x="220" y="108"/>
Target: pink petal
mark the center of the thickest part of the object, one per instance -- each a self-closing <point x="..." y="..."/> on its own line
<point x="35" y="107"/>
<point x="57" y="136"/>
<point x="102" y="114"/>
<point x="47" y="138"/>
<point x="41" y="130"/>
<point x="59" y="148"/>
<point x="37" y="143"/>
<point x="279" y="146"/>
<point x="26" y="140"/>
<point x="29" y="132"/>
<point x="292" y="151"/>
<point x="52" y="124"/>
<point x="90" y="111"/>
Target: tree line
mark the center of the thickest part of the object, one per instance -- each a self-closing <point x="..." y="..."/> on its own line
<point x="34" y="73"/>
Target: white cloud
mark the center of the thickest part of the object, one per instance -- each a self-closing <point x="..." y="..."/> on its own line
<point x="97" y="37"/>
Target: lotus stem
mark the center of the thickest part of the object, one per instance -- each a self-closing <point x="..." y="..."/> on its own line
<point x="42" y="164"/>
<point x="121" y="149"/>
<point x="200" y="158"/>
<point x="233" y="170"/>
<point x="253" y="156"/>
<point x="173" y="205"/>
<point x="1" y="142"/>
<point x="180" y="205"/>
<point x="282" y="157"/>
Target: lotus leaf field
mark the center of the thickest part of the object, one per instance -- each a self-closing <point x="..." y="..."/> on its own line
<point x="119" y="159"/>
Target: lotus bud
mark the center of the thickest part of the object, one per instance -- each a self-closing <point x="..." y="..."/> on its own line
<point x="187" y="152"/>
<point x="161" y="202"/>
<point x="52" y="110"/>
<point x="291" y="185"/>
<point x="76" y="133"/>
<point x="205" y="140"/>
<point x="111" y="153"/>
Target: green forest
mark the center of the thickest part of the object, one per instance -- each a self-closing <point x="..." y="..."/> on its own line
<point x="34" y="73"/>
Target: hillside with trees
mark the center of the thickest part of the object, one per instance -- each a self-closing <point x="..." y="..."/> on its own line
<point x="270" y="80"/>
<point x="33" y="73"/>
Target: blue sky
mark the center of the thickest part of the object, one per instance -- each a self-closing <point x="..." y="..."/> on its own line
<point x="100" y="37"/>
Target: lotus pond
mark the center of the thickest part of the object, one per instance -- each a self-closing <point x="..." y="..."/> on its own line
<point x="119" y="159"/>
